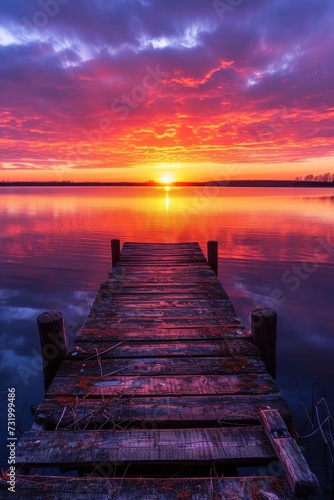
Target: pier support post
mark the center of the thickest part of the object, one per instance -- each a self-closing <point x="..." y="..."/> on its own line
<point x="115" y="251"/>
<point x="264" y="328"/>
<point x="213" y="255"/>
<point x="53" y="343"/>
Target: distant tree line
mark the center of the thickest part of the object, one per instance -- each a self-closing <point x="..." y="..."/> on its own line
<point x="327" y="177"/>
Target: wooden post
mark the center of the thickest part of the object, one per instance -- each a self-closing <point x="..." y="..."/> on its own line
<point x="263" y="328"/>
<point x="115" y="251"/>
<point x="213" y="255"/>
<point x="53" y="343"/>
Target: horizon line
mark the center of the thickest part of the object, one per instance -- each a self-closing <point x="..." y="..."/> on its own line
<point x="218" y="182"/>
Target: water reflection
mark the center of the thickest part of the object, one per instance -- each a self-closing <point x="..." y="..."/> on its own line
<point x="55" y="251"/>
<point x="167" y="189"/>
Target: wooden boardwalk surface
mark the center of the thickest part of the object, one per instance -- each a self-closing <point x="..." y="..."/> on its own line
<point x="163" y="395"/>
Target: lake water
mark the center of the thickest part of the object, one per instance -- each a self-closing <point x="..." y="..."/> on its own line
<point x="276" y="247"/>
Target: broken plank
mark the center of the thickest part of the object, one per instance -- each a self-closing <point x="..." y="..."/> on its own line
<point x="302" y="481"/>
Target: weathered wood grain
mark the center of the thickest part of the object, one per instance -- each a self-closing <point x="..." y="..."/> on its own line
<point x="148" y="296"/>
<point x="225" y="315"/>
<point x="144" y="332"/>
<point x="164" y="333"/>
<point x="128" y="288"/>
<point x="170" y="348"/>
<point x="162" y="386"/>
<point x="170" y="266"/>
<point x="162" y="259"/>
<point x="147" y="412"/>
<point x="101" y="488"/>
<point x="302" y="481"/>
<point x="162" y="366"/>
<point x="98" y="321"/>
<point x="163" y="303"/>
<point x="235" y="445"/>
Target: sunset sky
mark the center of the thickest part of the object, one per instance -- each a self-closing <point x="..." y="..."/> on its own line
<point x="142" y="89"/>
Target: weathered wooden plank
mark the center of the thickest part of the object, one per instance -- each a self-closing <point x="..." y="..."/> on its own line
<point x="200" y="269"/>
<point x="196" y="270"/>
<point x="236" y="445"/>
<point x="143" y="281"/>
<point x="302" y="481"/>
<point x="185" y="250"/>
<point x="189" y="246"/>
<point x="131" y="289"/>
<point x="184" y="286"/>
<point x="163" y="386"/>
<point x="162" y="247"/>
<point x="145" y="250"/>
<point x="182" y="256"/>
<point x="147" y="412"/>
<point x="145" y="294"/>
<point x="144" y="333"/>
<point x="162" y="366"/>
<point x="191" y="261"/>
<point x="177" y="348"/>
<point x="167" y="272"/>
<point x="124" y="278"/>
<point x="163" y="286"/>
<point x="216" y="306"/>
<point x="168" y="265"/>
<point x="185" y="263"/>
<point x="204" y="275"/>
<point x="162" y="257"/>
<point x="164" y="300"/>
<point x="102" y="488"/>
<point x="101" y="322"/>
<point x="108" y="311"/>
<point x="160" y="244"/>
<point x="241" y="347"/>
<point x="142" y="323"/>
<point x="164" y="303"/>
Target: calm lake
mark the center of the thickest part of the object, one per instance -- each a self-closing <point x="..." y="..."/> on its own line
<point x="276" y="247"/>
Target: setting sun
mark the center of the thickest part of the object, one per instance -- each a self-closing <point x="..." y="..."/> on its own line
<point x="167" y="179"/>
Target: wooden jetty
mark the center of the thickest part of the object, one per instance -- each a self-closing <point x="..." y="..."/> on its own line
<point x="163" y="395"/>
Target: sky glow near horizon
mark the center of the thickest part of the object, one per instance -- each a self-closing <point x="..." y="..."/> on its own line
<point x="143" y="89"/>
